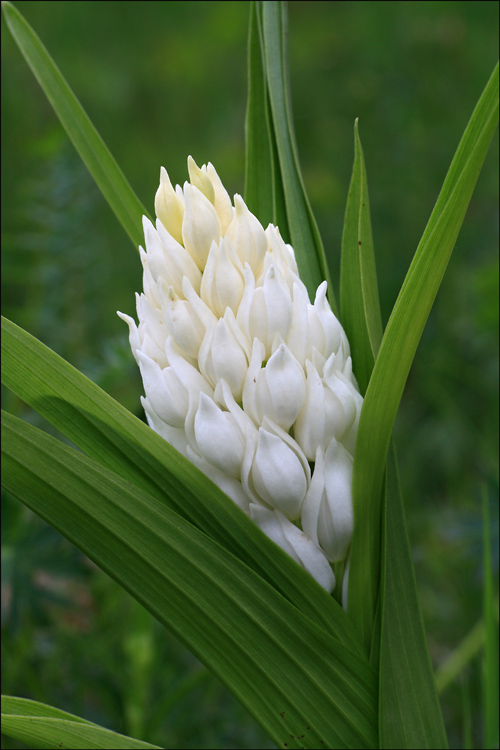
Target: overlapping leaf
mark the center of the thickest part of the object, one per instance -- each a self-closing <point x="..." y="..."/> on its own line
<point x="301" y="684"/>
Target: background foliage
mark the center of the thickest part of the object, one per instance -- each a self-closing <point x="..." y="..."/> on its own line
<point x="160" y="81"/>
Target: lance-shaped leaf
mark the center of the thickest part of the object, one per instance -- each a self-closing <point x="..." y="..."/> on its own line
<point x="304" y="234"/>
<point x="359" y="300"/>
<point x="303" y="686"/>
<point x="42" y="726"/>
<point x="258" y="166"/>
<point x="264" y="192"/>
<point x="398" y="348"/>
<point x="409" y="711"/>
<point x="85" y="138"/>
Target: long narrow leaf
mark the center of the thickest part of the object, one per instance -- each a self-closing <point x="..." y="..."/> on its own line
<point x="107" y="432"/>
<point x="258" y="165"/>
<point x="304" y="233"/>
<point x="359" y="300"/>
<point x="85" y="138"/>
<point x="398" y="348"/>
<point x="42" y="726"/>
<point x="302" y="685"/>
<point x="409" y="711"/>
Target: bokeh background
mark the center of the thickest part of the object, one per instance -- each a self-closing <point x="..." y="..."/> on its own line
<point x="164" y="80"/>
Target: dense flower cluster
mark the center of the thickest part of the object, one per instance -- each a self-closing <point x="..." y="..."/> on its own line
<point x="242" y="374"/>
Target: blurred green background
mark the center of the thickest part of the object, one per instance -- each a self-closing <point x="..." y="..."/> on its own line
<point x="164" y="80"/>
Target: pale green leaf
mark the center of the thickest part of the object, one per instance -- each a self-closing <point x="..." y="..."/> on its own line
<point x="41" y="726"/>
<point x="302" y="685"/>
<point x="397" y="351"/>
<point x="107" y="432"/>
<point x="85" y="138"/>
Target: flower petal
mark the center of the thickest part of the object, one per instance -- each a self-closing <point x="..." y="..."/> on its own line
<point x="278" y="475"/>
<point x="200" y="226"/>
<point x="295" y="543"/>
<point x="219" y="438"/>
<point x="168" y="207"/>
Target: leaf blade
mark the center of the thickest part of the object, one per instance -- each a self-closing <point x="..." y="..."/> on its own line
<point x="272" y="658"/>
<point x="359" y="298"/>
<point x="304" y="234"/>
<point x="258" y="164"/>
<point x="42" y="726"/>
<point x="409" y="710"/>
<point x="398" y="347"/>
<point x="85" y="138"/>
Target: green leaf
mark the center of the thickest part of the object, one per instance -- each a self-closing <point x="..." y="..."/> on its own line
<point x="258" y="163"/>
<point x="304" y="234"/>
<point x="42" y="726"/>
<point x="264" y="191"/>
<point x="409" y="711"/>
<point x="110" y="434"/>
<point x="85" y="138"/>
<point x="397" y="351"/>
<point x="301" y="684"/>
<point x="359" y="299"/>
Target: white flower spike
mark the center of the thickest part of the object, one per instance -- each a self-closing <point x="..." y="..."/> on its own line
<point x="242" y="374"/>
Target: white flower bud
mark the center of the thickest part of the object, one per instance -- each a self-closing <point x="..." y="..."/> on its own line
<point x="327" y="514"/>
<point x="151" y="321"/>
<point x="295" y="543"/>
<point x="321" y="418"/>
<point x="247" y="236"/>
<point x="219" y="438"/>
<point x="278" y="475"/>
<point x="168" y="207"/>
<point x="277" y="390"/>
<point x="221" y="356"/>
<point x="279" y="253"/>
<point x="166" y="394"/>
<point x="176" y="437"/>
<point x="182" y="322"/>
<point x="222" y="285"/>
<point x="179" y="264"/>
<point x="270" y="310"/>
<point x="200" y="226"/>
<point x="232" y="487"/>
<point x="332" y="330"/>
<point x="222" y="201"/>
<point x="200" y="179"/>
